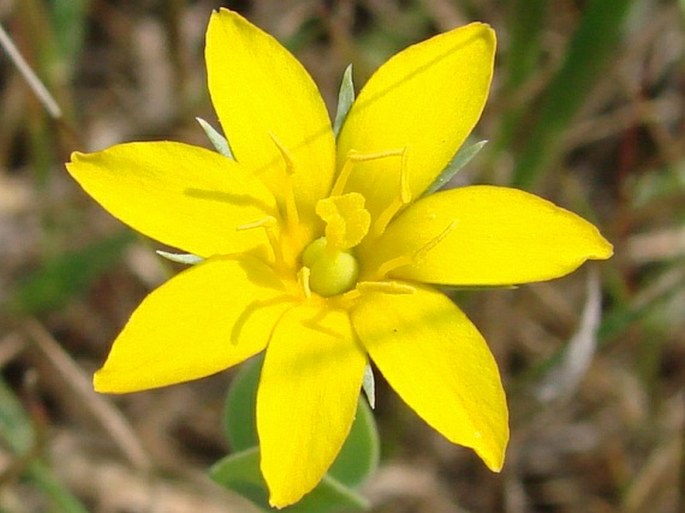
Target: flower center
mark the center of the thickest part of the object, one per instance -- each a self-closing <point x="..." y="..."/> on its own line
<point x="333" y="268"/>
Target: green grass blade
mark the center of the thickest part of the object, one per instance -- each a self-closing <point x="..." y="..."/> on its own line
<point x="526" y="23"/>
<point x="587" y="57"/>
<point x="69" y="20"/>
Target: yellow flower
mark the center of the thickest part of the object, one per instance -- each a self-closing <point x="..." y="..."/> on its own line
<point x="321" y="251"/>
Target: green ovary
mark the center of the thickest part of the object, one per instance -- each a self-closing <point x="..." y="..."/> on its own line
<point x="332" y="271"/>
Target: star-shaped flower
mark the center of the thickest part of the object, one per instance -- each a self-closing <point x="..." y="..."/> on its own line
<point x="323" y="251"/>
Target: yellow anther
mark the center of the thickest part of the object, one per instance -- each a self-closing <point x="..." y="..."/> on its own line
<point x="270" y="225"/>
<point x="291" y="213"/>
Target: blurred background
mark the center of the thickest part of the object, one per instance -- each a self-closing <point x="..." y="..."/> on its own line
<point x="587" y="109"/>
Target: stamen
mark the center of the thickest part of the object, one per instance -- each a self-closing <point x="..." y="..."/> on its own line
<point x="291" y="213"/>
<point x="418" y="255"/>
<point x="402" y="199"/>
<point x="422" y="252"/>
<point x="385" y="287"/>
<point x="350" y="296"/>
<point x="384" y="218"/>
<point x="344" y="175"/>
<point x="353" y="157"/>
<point x="251" y="309"/>
<point x="395" y="263"/>
<point x="405" y="191"/>
<point x="269" y="223"/>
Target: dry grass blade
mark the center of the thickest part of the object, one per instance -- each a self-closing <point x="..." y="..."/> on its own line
<point x="10" y="346"/>
<point x="62" y="365"/>
<point x="564" y="378"/>
<point x="31" y="78"/>
<point x="116" y="489"/>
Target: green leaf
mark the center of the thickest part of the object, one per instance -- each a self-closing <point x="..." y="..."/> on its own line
<point x="360" y="453"/>
<point x="63" y="277"/>
<point x="460" y="159"/>
<point x="240" y="473"/>
<point x="219" y="142"/>
<point x="240" y="422"/>
<point x="345" y="100"/>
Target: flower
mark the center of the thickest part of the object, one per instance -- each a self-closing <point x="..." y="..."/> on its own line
<point x="323" y="252"/>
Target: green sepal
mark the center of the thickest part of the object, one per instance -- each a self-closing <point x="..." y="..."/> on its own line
<point x="219" y="142"/>
<point x="180" y="258"/>
<point x="460" y="159"/>
<point x="240" y="473"/>
<point x="345" y="100"/>
<point x="358" y="457"/>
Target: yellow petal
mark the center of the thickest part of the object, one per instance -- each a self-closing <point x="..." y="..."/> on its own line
<point x="426" y="99"/>
<point x="484" y="235"/>
<point x="306" y="400"/>
<point x="206" y="319"/>
<point x="180" y="195"/>
<point x="264" y="97"/>
<point x="439" y="364"/>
